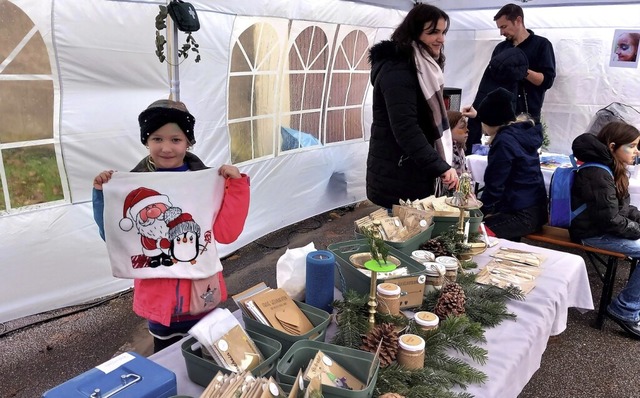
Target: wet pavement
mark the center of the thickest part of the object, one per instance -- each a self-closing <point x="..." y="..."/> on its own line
<point x="42" y="351"/>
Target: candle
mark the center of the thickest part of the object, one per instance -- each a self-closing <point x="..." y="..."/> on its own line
<point x="484" y="233"/>
<point x="466" y="232"/>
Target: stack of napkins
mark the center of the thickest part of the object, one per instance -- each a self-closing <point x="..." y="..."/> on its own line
<point x="223" y="338"/>
<point x="273" y="307"/>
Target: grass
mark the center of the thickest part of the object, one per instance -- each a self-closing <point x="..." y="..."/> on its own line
<point x="32" y="175"/>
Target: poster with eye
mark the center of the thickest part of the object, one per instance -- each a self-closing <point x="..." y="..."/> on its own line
<point x="160" y="225"/>
<point x="624" y="48"/>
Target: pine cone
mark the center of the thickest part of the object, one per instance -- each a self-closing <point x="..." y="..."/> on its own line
<point x="389" y="349"/>
<point x="435" y="246"/>
<point x="391" y="395"/>
<point x="451" y="301"/>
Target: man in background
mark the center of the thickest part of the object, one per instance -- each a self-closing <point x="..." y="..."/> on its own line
<point x="523" y="64"/>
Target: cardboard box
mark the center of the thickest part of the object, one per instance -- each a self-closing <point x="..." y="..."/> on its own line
<point x="130" y="374"/>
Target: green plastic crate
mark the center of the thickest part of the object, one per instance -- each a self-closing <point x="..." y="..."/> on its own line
<point x="408" y="245"/>
<point x="318" y="318"/>
<point x="201" y="371"/>
<point x="356" y="280"/>
<point x="443" y="223"/>
<point x="356" y="362"/>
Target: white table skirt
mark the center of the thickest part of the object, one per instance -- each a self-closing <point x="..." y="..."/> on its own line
<point x="477" y="165"/>
<point x="515" y="346"/>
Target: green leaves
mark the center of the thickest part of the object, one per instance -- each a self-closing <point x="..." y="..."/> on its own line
<point x="183" y="52"/>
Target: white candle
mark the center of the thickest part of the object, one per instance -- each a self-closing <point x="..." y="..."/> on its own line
<point x="484" y="233"/>
<point x="466" y="232"/>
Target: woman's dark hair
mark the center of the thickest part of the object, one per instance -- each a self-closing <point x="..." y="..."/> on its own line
<point x="412" y="26"/>
<point x="618" y="134"/>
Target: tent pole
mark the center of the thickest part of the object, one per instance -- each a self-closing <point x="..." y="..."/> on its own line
<point x="174" y="64"/>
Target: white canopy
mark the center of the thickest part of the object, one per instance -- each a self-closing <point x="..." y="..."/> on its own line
<point x="85" y="69"/>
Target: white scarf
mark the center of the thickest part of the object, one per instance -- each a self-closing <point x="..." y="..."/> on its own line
<point x="431" y="81"/>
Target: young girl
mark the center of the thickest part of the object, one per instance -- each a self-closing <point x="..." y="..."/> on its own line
<point x="514" y="197"/>
<point x="609" y="221"/>
<point x="459" y="133"/>
<point x="167" y="130"/>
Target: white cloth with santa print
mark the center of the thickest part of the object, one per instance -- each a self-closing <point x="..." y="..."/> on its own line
<point x="160" y="225"/>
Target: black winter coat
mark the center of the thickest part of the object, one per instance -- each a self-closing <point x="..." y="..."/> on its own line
<point x="506" y="69"/>
<point x="605" y="213"/>
<point x="513" y="179"/>
<point x="402" y="161"/>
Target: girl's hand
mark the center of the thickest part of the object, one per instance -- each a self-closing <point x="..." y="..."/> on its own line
<point x="102" y="178"/>
<point x="228" y="171"/>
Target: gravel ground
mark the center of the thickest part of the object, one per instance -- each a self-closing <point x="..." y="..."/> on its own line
<point x="42" y="351"/>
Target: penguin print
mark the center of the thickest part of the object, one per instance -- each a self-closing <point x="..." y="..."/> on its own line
<point x="184" y="236"/>
<point x="185" y="247"/>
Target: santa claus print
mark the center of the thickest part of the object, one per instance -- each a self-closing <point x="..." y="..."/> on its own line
<point x="183" y="234"/>
<point x="145" y="208"/>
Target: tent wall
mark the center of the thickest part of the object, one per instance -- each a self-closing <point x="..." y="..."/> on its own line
<point x="582" y="39"/>
<point x="104" y="72"/>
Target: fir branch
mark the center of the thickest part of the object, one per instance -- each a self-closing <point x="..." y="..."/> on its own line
<point x="459" y="333"/>
<point x="352" y="319"/>
<point x="455" y="370"/>
<point x="468" y="264"/>
<point x="397" y="320"/>
<point x="395" y="378"/>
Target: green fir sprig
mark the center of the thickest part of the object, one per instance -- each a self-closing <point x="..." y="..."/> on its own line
<point x="485" y="304"/>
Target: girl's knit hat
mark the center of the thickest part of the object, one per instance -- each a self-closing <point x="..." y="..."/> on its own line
<point x="165" y="111"/>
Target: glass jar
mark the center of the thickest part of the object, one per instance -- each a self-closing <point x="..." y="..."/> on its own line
<point x="426" y="320"/>
<point x="434" y="274"/>
<point x="451" y="265"/>
<point x="411" y="351"/>
<point x="388" y="298"/>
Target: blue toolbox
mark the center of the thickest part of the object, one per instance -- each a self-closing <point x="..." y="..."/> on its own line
<point x="129" y="375"/>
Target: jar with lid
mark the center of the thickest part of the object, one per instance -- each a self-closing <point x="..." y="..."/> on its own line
<point x="451" y="265"/>
<point x="434" y="274"/>
<point x="411" y="351"/>
<point x="426" y="320"/>
<point x="388" y="298"/>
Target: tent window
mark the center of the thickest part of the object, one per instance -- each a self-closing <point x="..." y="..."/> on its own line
<point x="30" y="172"/>
<point x="303" y="87"/>
<point x="252" y="104"/>
<point x="347" y="88"/>
<point x="305" y="96"/>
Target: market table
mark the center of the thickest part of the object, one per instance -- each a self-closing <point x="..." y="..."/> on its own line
<point x="515" y="346"/>
<point x="477" y="165"/>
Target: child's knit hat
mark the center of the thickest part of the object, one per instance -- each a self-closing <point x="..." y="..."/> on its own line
<point x="165" y="111"/>
<point x="497" y="108"/>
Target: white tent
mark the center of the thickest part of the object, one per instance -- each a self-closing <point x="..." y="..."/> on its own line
<point x="75" y="74"/>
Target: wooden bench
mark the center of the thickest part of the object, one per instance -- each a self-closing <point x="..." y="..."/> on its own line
<point x="609" y="259"/>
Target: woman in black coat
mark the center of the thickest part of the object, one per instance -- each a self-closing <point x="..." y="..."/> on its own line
<point x="409" y="116"/>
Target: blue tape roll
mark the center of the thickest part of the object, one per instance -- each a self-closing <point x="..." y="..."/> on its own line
<point x="319" y="280"/>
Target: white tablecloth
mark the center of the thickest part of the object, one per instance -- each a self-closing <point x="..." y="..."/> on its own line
<point x="515" y="346"/>
<point x="477" y="165"/>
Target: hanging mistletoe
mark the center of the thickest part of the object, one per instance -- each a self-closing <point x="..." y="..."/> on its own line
<point x="185" y="18"/>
